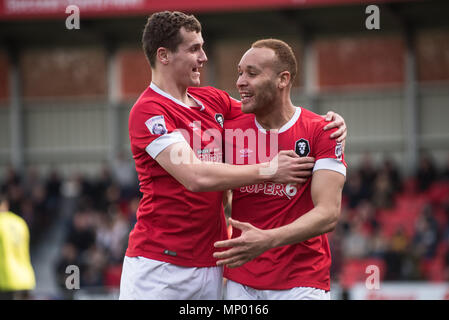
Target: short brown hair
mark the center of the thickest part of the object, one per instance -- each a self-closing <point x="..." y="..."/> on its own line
<point x="284" y="53"/>
<point x="162" y="30"/>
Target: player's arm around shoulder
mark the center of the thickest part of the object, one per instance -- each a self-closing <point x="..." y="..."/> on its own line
<point x="179" y="160"/>
<point x="334" y="120"/>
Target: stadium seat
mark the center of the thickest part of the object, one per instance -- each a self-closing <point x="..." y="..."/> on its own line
<point x="434" y="269"/>
<point x="438" y="193"/>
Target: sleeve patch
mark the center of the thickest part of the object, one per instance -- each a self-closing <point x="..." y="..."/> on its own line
<point x="339" y="151"/>
<point x="156" y="125"/>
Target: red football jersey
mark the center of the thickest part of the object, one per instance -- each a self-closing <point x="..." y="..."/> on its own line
<point x="269" y="205"/>
<point x="173" y="224"/>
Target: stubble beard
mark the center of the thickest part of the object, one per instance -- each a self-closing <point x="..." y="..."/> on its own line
<point x="265" y="97"/>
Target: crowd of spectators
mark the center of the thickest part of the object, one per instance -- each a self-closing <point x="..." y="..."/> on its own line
<point x="401" y="223"/>
<point x="96" y="236"/>
<point x="96" y="214"/>
<point x="37" y="200"/>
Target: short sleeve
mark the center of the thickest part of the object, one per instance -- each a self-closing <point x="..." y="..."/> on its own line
<point x="152" y="129"/>
<point x="235" y="109"/>
<point x="232" y="108"/>
<point x="328" y="152"/>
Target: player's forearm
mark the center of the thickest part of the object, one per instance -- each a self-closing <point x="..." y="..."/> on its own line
<point x="222" y="176"/>
<point x="316" y="222"/>
<point x="181" y="163"/>
<point x="199" y="176"/>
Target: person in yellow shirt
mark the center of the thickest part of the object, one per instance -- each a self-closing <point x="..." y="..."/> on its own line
<point x="16" y="272"/>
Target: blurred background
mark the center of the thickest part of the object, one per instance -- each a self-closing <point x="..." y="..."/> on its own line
<point x="65" y="160"/>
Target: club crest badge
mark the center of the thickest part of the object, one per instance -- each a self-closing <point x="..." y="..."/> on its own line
<point x="219" y="118"/>
<point x="302" y="148"/>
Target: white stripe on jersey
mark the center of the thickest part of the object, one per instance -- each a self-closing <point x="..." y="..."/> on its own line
<point x="330" y="164"/>
<point x="286" y="126"/>
<point x="162" y="142"/>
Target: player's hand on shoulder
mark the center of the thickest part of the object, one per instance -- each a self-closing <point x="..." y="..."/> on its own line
<point x="336" y="121"/>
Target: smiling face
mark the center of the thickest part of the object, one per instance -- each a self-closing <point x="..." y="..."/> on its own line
<point x="257" y="80"/>
<point x="188" y="59"/>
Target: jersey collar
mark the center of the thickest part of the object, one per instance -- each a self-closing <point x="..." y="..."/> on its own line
<point x="169" y="96"/>
<point x="286" y="126"/>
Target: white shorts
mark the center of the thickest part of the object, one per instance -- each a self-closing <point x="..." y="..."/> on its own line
<point x="237" y="291"/>
<point x="147" y="279"/>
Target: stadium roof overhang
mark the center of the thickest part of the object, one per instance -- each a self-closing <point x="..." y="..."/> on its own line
<point x="42" y="22"/>
<point x="32" y="9"/>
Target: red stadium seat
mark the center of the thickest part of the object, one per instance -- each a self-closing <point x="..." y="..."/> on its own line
<point x="403" y="215"/>
<point x="410" y="186"/>
<point x="441" y="217"/>
<point x="434" y="269"/>
<point x="394" y="219"/>
<point x="438" y="192"/>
